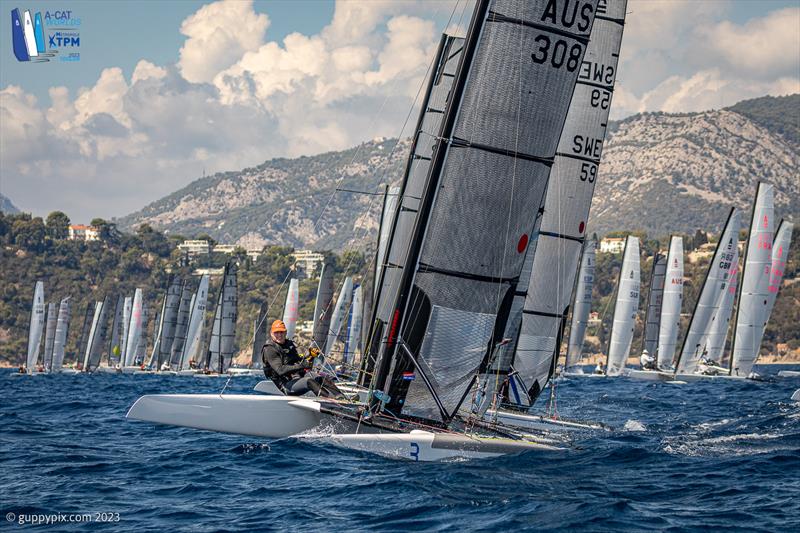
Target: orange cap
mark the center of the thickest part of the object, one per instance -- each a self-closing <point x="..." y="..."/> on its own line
<point x="278" y="325"/>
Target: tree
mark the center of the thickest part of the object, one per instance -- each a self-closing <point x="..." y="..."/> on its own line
<point x="57" y="225"/>
<point x="700" y="238"/>
<point x="107" y="230"/>
<point x="29" y="233"/>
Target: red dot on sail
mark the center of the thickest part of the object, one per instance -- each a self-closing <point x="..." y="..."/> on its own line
<point x="581" y="227"/>
<point x="523" y="243"/>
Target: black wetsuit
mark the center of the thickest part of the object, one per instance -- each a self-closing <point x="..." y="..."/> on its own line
<point x="284" y="366"/>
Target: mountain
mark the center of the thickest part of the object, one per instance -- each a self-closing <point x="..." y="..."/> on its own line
<point x="6" y="206"/>
<point x="661" y="173"/>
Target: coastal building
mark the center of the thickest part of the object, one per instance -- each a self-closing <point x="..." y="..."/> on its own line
<point x="612" y="245"/>
<point x="195" y="247"/>
<point x="79" y="232"/>
<point x="308" y="263"/>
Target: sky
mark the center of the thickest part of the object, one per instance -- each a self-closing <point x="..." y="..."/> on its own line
<point x="164" y="92"/>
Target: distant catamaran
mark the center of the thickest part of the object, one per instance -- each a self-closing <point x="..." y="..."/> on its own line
<point x="582" y="306"/>
<point x="221" y="345"/>
<point x="36" y="327"/>
<point x="753" y="307"/>
<point x="625" y="310"/>
<point x="712" y="294"/>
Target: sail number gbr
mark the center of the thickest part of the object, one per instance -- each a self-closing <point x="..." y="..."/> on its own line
<point x="557" y="53"/>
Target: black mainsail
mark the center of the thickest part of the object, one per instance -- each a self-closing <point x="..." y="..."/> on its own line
<point x="488" y="174"/>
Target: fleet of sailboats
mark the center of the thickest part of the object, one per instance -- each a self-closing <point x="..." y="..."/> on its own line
<point x="482" y="265"/>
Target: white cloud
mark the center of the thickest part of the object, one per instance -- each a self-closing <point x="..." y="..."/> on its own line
<point x="767" y="46"/>
<point x="235" y="99"/>
<point x="218" y="34"/>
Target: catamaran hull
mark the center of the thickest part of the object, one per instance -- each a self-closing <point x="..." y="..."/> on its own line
<point x="245" y="372"/>
<point x="651" y="375"/>
<point x="427" y="446"/>
<point x="796" y="395"/>
<point x="540" y="423"/>
<point x="272" y="417"/>
<point x="266" y="386"/>
<point x="789" y="374"/>
<point x="276" y="417"/>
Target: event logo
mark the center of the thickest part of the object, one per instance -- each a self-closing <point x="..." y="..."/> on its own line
<point x="31" y="44"/>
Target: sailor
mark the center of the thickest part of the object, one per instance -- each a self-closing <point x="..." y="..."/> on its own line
<point x="647" y="362"/>
<point x="291" y="373"/>
<point x="599" y="368"/>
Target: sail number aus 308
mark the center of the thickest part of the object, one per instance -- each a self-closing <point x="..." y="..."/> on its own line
<point x="558" y="53"/>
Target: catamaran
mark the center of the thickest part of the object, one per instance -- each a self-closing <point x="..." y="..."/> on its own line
<point x="710" y="302"/>
<point x="453" y="266"/>
<point x="580" y="310"/>
<point x="60" y="339"/>
<point x="625" y="309"/>
<point x="752" y="310"/>
<point x="35" y="330"/>
<point x="221" y="344"/>
<point x="664" y="302"/>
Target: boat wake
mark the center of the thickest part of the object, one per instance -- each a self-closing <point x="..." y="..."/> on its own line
<point x="634" y="425"/>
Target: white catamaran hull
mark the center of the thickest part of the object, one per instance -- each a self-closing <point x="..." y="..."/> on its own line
<point x="278" y="417"/>
<point x="243" y="414"/>
<point x="427" y="446"/>
<point x="796" y="395"/>
<point x="789" y="374"/>
<point x="651" y="375"/>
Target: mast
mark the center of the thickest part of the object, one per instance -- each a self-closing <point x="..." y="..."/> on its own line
<point x="672" y="301"/>
<point x="715" y="281"/>
<point x="625" y="309"/>
<point x="488" y="172"/>
<point x="751" y="310"/>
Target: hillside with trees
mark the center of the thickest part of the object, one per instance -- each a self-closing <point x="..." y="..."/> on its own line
<point x="34" y="249"/>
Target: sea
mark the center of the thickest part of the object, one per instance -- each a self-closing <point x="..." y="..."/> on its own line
<point x="705" y="456"/>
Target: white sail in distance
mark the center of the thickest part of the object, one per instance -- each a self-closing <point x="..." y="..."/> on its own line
<point x="196" y="320"/>
<point x="626" y="308"/>
<point x="354" y="334"/>
<point x="339" y="313"/>
<point x="134" y="329"/>
<point x="780" y="254"/>
<point x="36" y="327"/>
<point x="751" y="312"/>
<point x="93" y="336"/>
<point x="126" y="323"/>
<point x="583" y="305"/>
<point x="290" y="310"/>
<point x="711" y="290"/>
<point x="557" y="243"/>
<point x="671" y="303"/>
